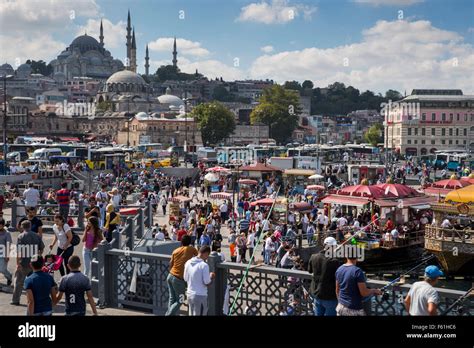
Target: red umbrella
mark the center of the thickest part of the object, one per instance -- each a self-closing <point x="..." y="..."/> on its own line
<point x="468" y="179"/>
<point x="362" y="191"/>
<point x="248" y="182"/>
<point x="315" y="187"/>
<point x="217" y="169"/>
<point x="398" y="190"/>
<point x="264" y="201"/>
<point x="451" y="183"/>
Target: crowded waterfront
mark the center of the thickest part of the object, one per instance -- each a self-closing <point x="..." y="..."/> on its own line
<point x="257" y="211"/>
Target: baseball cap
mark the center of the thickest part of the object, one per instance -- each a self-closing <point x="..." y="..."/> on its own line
<point x="330" y="241"/>
<point x="433" y="272"/>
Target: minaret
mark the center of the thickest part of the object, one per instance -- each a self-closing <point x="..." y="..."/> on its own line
<point x="129" y="40"/>
<point x="147" y="64"/>
<point x="133" y="54"/>
<point x="175" y="54"/>
<point x="101" y="37"/>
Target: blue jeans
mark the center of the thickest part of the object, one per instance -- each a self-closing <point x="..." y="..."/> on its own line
<point x="267" y="256"/>
<point x="324" y="308"/>
<point x="176" y="289"/>
<point x="87" y="257"/>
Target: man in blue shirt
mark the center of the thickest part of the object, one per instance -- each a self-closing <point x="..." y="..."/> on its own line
<point x="351" y="288"/>
<point x="40" y="289"/>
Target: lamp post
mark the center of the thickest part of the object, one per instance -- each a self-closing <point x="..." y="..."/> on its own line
<point x="5" y="145"/>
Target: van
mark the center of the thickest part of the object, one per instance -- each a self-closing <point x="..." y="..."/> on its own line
<point x="46" y="153"/>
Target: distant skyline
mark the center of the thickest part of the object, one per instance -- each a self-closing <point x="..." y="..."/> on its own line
<point x="370" y="44"/>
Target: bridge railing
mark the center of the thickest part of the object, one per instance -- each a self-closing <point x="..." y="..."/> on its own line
<point x="272" y="289"/>
<point x="450" y="234"/>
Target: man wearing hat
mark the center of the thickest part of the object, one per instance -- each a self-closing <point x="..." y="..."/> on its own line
<point x="323" y="266"/>
<point x="423" y="299"/>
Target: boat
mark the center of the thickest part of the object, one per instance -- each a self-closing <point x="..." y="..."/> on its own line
<point x="454" y="246"/>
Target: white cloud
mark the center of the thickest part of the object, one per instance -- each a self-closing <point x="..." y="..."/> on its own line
<point x="267" y="49"/>
<point x="274" y="12"/>
<point x="184" y="47"/>
<point x="28" y="27"/>
<point x="389" y="2"/>
<point x="36" y="15"/>
<point x="36" y="47"/>
<point x="114" y="33"/>
<point x="399" y="54"/>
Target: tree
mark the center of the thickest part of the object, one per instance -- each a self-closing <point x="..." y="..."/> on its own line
<point x="393" y="95"/>
<point x="221" y="93"/>
<point x="40" y="67"/>
<point x="307" y="84"/>
<point x="374" y="134"/>
<point x="295" y="85"/>
<point x="279" y="109"/>
<point x="215" y="122"/>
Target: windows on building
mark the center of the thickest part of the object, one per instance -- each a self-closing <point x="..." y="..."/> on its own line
<point x="443" y="132"/>
<point x="416" y="131"/>
<point x="465" y="132"/>
<point x="457" y="132"/>
<point x="450" y="132"/>
<point x="423" y="131"/>
<point x="409" y="131"/>
<point x="443" y="142"/>
<point x="409" y="141"/>
<point x="423" y="141"/>
<point x="433" y="142"/>
<point x="443" y="117"/>
<point x="433" y="117"/>
<point x="433" y="131"/>
<point x="457" y="117"/>
<point x="423" y="116"/>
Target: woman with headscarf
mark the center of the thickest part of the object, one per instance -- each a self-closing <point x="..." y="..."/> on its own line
<point x="112" y="220"/>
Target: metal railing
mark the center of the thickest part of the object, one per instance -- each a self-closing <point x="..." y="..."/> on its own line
<point x="271" y="289"/>
<point x="450" y="234"/>
<point x="48" y="217"/>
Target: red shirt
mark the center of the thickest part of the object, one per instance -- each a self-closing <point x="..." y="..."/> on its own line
<point x="389" y="225"/>
<point x="181" y="233"/>
<point x="63" y="196"/>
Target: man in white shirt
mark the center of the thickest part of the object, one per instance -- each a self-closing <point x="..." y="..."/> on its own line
<point x="198" y="278"/>
<point x="160" y="235"/>
<point x="446" y="224"/>
<point x="31" y="196"/>
<point x="341" y="222"/>
<point x="423" y="299"/>
<point x="223" y="209"/>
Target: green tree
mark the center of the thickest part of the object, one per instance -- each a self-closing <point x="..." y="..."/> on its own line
<point x="40" y="67"/>
<point x="374" y="134"/>
<point x="279" y="109"/>
<point x="295" y="85"/>
<point x="393" y="95"/>
<point x="307" y="84"/>
<point x="103" y="106"/>
<point x="221" y="93"/>
<point x="215" y="122"/>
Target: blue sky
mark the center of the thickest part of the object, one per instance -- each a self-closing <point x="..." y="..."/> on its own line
<point x="305" y="45"/>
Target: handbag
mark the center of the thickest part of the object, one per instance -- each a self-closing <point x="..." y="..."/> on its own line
<point x="75" y="238"/>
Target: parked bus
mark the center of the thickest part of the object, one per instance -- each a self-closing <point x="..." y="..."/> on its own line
<point x="45" y="153"/>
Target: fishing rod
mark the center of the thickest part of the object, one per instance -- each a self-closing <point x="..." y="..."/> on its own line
<point x="463" y="297"/>
<point x="385" y="287"/>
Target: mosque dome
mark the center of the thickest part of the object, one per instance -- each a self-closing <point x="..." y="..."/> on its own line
<point x="126" y="77"/>
<point x="85" y="42"/>
<point x="170" y="99"/>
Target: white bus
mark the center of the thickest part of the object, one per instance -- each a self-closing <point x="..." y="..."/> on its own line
<point x="45" y="153"/>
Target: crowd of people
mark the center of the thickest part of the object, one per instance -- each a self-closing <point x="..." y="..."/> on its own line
<point x="253" y="235"/>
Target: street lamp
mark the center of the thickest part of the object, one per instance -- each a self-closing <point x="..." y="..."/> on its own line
<point x="5" y="145"/>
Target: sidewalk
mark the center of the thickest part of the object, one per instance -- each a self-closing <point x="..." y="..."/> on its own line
<point x="7" y="309"/>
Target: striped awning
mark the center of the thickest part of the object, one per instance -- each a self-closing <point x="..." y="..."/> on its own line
<point x="221" y="195"/>
<point x="345" y="200"/>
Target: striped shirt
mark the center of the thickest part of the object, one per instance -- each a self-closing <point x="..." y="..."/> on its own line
<point x="63" y="197"/>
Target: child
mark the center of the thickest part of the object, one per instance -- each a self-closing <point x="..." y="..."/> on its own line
<point x="50" y="264"/>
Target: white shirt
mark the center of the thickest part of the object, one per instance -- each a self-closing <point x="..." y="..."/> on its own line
<point x="61" y="234"/>
<point x="356" y="224"/>
<point x="269" y="245"/>
<point x="223" y="208"/>
<point x="342" y="221"/>
<point x="160" y="236"/>
<point x="251" y="240"/>
<point x="422" y="293"/>
<point x="116" y="200"/>
<point x="445" y="224"/>
<point x="197" y="276"/>
<point x="31" y="196"/>
<point x="101" y="198"/>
